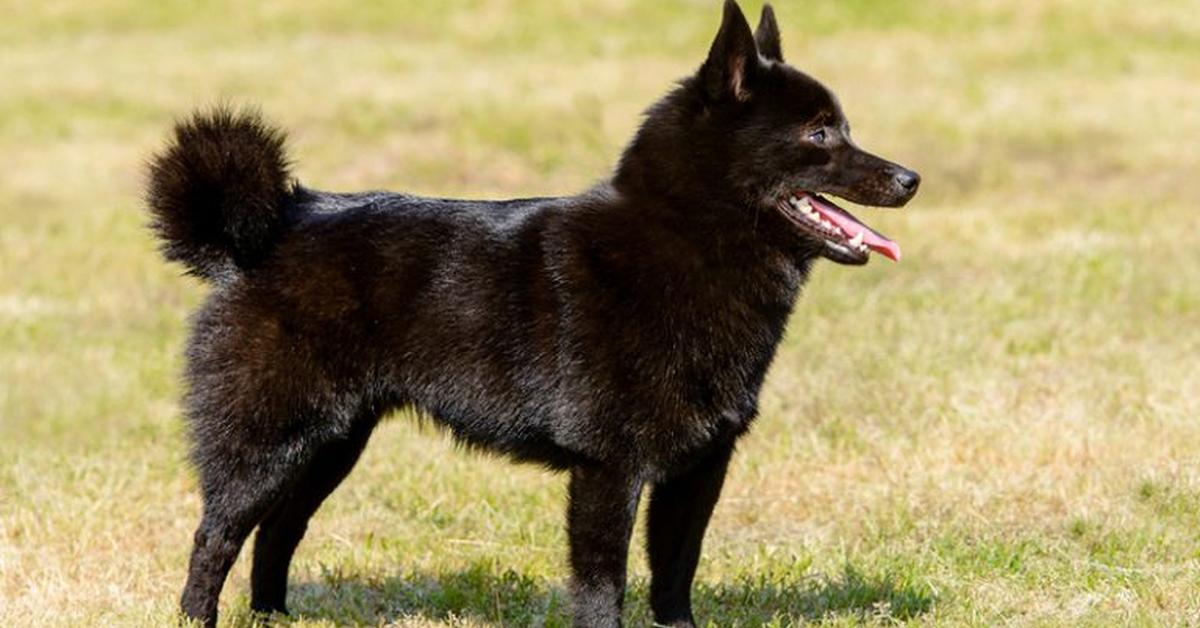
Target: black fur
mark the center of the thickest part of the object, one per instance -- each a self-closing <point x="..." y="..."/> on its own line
<point x="621" y="335"/>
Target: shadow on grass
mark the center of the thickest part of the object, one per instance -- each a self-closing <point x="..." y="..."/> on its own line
<point x="485" y="594"/>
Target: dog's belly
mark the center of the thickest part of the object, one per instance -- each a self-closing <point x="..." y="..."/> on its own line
<point x="519" y="412"/>
<point x="523" y="441"/>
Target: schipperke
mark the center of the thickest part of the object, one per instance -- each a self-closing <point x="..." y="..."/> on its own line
<point x="620" y="335"/>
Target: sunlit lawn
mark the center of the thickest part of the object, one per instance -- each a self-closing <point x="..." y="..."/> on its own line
<point x="1002" y="429"/>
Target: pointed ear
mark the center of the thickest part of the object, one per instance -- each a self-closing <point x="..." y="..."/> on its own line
<point x="733" y="59"/>
<point x="767" y="35"/>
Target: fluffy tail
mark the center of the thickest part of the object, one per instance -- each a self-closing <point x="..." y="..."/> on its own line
<point x="217" y="194"/>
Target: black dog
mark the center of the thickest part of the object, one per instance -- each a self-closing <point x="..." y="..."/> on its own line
<point x="621" y="335"/>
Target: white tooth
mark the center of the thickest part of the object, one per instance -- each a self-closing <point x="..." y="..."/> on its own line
<point x="857" y="240"/>
<point x="804" y="202"/>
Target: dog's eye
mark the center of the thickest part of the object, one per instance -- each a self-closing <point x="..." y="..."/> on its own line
<point x="817" y="137"/>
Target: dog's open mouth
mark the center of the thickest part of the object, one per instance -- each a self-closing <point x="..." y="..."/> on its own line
<point x="847" y="240"/>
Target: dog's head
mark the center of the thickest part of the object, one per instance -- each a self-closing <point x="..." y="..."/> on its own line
<point x="760" y="132"/>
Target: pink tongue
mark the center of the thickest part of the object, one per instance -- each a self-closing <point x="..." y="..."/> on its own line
<point x="851" y="226"/>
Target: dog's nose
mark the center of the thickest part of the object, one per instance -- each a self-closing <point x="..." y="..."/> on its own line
<point x="908" y="180"/>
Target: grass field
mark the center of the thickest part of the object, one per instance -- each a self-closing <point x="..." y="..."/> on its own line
<point x="1010" y="435"/>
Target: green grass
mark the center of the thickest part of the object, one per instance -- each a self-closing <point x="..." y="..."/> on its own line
<point x="1002" y="429"/>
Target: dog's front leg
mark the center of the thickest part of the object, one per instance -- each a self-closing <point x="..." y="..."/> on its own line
<point x="679" y="511"/>
<point x="603" y="504"/>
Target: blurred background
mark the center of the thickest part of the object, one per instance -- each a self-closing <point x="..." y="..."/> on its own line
<point x="1009" y="435"/>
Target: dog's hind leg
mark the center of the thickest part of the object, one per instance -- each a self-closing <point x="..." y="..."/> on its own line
<point x="603" y="504"/>
<point x="678" y="515"/>
<point x="240" y="484"/>
<point x="280" y="532"/>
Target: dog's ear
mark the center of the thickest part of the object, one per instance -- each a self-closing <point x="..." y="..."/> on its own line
<point x="733" y="59"/>
<point x="767" y="35"/>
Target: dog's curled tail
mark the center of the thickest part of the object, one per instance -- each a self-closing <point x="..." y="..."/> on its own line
<point x="218" y="193"/>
